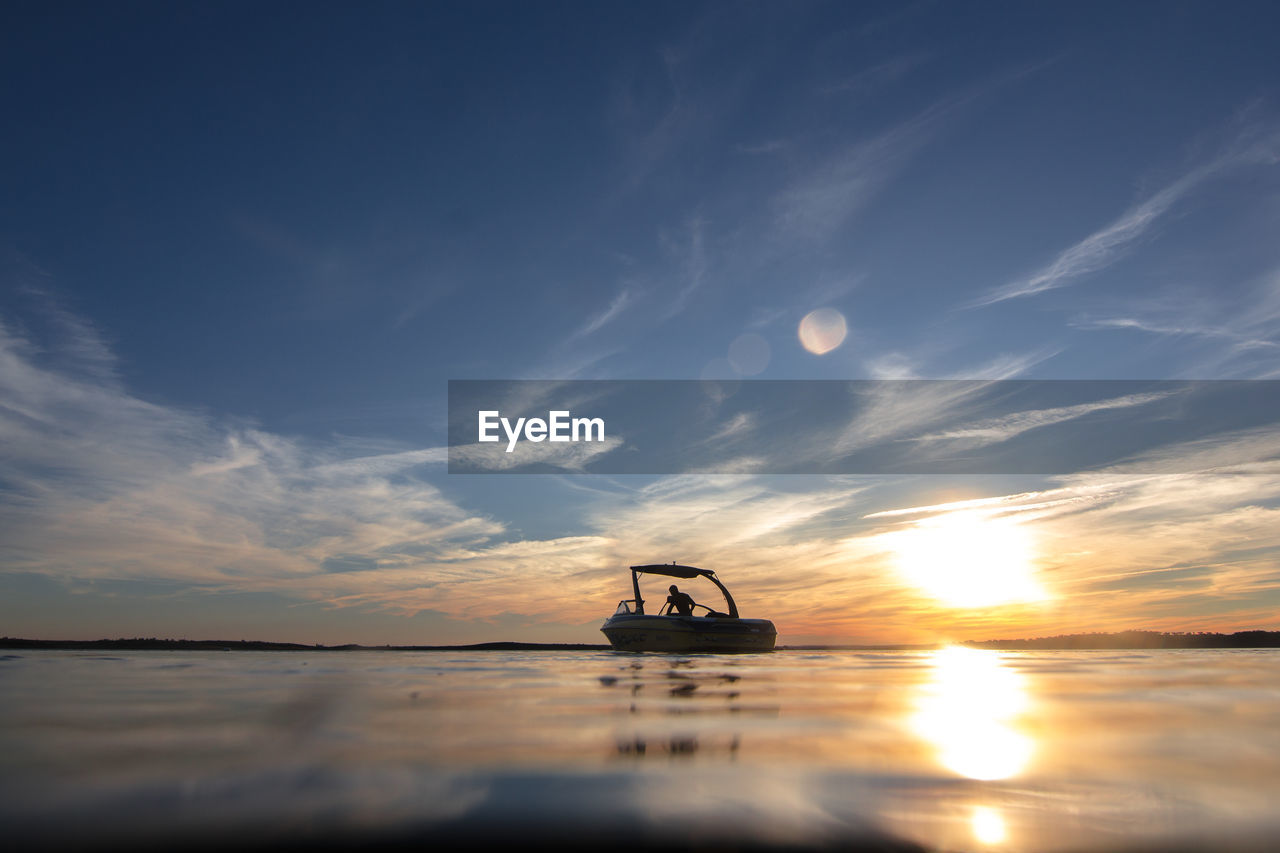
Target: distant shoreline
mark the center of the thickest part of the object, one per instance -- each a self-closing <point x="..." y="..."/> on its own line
<point x="154" y="644"/>
<point x="1139" y="640"/>
<point x="1065" y="642"/>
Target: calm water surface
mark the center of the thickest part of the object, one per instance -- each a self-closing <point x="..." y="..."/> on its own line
<point x="955" y="750"/>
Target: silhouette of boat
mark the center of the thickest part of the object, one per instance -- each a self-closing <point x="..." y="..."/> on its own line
<point x="631" y="629"/>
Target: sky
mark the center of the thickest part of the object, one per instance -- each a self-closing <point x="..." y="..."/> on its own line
<point x="245" y="247"/>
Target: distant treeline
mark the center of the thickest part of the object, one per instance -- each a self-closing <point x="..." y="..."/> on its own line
<point x="137" y="644"/>
<point x="1141" y="640"/>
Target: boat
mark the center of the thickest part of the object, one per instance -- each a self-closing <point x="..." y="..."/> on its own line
<point x="630" y="629"/>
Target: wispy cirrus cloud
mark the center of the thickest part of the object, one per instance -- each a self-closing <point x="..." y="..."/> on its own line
<point x="893" y="365"/>
<point x="769" y="146"/>
<point x="817" y="204"/>
<point x="598" y="321"/>
<point x="572" y="456"/>
<point x="1103" y="247"/>
<point x="892" y="410"/>
<point x="995" y="430"/>
<point x="688" y="251"/>
<point x="104" y="489"/>
<point x="1255" y="145"/>
<point x="877" y="76"/>
<point x="1243" y="334"/>
<point x="101" y="484"/>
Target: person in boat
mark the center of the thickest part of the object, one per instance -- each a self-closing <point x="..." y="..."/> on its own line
<point x="681" y="601"/>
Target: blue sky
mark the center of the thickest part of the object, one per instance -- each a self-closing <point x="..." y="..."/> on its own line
<point x="244" y="248"/>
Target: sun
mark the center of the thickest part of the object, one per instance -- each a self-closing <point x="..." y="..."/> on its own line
<point x="968" y="559"/>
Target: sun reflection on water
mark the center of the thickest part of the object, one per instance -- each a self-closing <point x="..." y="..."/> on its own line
<point x="968" y="710"/>
<point x="988" y="825"/>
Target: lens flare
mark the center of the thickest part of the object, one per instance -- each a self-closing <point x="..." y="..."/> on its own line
<point x="823" y="330"/>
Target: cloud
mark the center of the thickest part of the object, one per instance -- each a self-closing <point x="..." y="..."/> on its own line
<point x="1190" y="549"/>
<point x="1253" y="146"/>
<point x="616" y="307"/>
<point x="695" y="517"/>
<point x="877" y="76"/>
<point x="995" y="430"/>
<point x="1006" y="365"/>
<point x="82" y="350"/>
<point x="891" y="410"/>
<point x="1101" y="248"/>
<point x="740" y="424"/>
<point x="901" y="365"/>
<point x="893" y="365"/>
<point x="569" y="456"/>
<point x="688" y="251"/>
<point x="818" y="204"/>
<point x="1246" y="329"/>
<point x="669" y="100"/>
<point x="771" y="146"/>
<point x="102" y="486"/>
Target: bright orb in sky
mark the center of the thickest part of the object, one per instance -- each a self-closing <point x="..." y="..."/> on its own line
<point x="966" y="559"/>
<point x="823" y="330"/>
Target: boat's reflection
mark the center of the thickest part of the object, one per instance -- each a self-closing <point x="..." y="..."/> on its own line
<point x="676" y="746"/>
<point x="652" y="683"/>
<point x="660" y="689"/>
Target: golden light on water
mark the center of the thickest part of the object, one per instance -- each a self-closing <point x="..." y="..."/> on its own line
<point x="968" y="711"/>
<point x="823" y="330"/>
<point x="966" y="559"/>
<point x="988" y="825"/>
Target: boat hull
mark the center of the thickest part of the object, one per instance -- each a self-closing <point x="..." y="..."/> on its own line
<point x="632" y="632"/>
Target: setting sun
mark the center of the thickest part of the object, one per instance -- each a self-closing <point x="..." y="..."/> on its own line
<point x="967" y="559"/>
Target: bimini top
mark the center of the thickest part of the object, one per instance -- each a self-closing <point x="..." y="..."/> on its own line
<point x="672" y="570"/>
<point x="678" y="571"/>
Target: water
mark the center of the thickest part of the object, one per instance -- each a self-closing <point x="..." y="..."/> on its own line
<point x="953" y="750"/>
